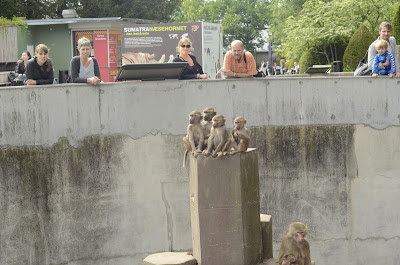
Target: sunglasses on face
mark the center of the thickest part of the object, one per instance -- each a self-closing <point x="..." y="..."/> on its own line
<point x="186" y="46"/>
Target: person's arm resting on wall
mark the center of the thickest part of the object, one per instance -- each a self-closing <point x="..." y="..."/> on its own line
<point x="251" y="66"/>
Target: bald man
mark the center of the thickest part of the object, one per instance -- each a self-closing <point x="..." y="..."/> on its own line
<point x="235" y="65"/>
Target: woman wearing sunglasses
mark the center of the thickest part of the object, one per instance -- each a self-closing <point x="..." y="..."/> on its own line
<point x="194" y="69"/>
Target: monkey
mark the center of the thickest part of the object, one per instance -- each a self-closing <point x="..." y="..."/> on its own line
<point x="294" y="243"/>
<point x="208" y="114"/>
<point x="240" y="140"/>
<point x="291" y="258"/>
<point x="219" y="137"/>
<point x="194" y="139"/>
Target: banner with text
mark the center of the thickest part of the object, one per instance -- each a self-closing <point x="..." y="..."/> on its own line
<point x="158" y="43"/>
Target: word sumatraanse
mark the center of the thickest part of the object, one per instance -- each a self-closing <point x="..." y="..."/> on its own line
<point x="147" y="29"/>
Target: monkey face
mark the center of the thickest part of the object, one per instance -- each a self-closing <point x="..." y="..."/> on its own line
<point x="194" y="118"/>
<point x="208" y="116"/>
<point x="218" y="122"/>
<point x="299" y="236"/>
<point x="239" y="124"/>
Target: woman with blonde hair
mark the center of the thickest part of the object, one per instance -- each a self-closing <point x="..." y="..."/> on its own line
<point x="39" y="69"/>
<point x="83" y="68"/>
<point x="194" y="69"/>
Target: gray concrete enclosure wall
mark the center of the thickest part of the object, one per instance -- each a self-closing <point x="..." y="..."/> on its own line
<point x="93" y="175"/>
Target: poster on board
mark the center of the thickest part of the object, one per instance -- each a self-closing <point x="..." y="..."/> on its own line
<point x="158" y="43"/>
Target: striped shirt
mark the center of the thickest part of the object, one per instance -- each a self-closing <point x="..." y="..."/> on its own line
<point x="230" y="63"/>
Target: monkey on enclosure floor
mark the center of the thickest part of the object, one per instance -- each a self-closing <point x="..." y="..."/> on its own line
<point x="240" y="140"/>
<point x="219" y="137"/>
<point x="194" y="139"/>
<point x="208" y="114"/>
<point x="294" y="243"/>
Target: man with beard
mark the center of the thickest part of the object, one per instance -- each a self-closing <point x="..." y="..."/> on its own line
<point x="239" y="63"/>
<point x="385" y="30"/>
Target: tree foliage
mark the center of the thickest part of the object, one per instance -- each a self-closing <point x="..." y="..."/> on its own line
<point x="326" y="26"/>
<point x="141" y="9"/>
<point x="278" y="12"/>
<point x="241" y="19"/>
<point x="4" y="22"/>
<point x="35" y="9"/>
<point x="396" y="25"/>
<point x="306" y="61"/>
<point x="357" y="47"/>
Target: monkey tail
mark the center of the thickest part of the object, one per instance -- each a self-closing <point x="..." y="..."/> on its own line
<point x="184" y="159"/>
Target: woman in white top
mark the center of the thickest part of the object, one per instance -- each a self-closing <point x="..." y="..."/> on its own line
<point x="83" y="68"/>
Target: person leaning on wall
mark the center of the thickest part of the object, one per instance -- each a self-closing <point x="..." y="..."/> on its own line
<point x="25" y="57"/>
<point x="39" y="69"/>
<point x="385" y="30"/>
<point x="239" y="63"/>
<point x="194" y="69"/>
<point x="83" y="68"/>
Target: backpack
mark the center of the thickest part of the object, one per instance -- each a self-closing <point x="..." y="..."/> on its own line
<point x="259" y="73"/>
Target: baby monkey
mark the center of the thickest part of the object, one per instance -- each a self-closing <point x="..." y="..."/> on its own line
<point x="290" y="258"/>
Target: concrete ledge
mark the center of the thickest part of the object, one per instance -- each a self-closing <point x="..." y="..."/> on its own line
<point x="170" y="258"/>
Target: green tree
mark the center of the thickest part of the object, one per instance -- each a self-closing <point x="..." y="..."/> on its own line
<point x="278" y="12"/>
<point x="241" y="19"/>
<point x="142" y="9"/>
<point x="357" y="47"/>
<point x="305" y="62"/>
<point x="325" y="26"/>
<point x="396" y="25"/>
<point x="4" y="22"/>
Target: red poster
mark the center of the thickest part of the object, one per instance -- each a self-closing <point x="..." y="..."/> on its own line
<point x="101" y="52"/>
<point x="100" y="47"/>
<point x="104" y="74"/>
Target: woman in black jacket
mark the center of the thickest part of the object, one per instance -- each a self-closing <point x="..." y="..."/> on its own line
<point x="194" y="69"/>
<point x="39" y="69"/>
<point x="20" y="68"/>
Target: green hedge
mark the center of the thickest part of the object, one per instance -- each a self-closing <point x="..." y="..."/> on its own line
<point x="396" y="26"/>
<point x="356" y="48"/>
<point x="15" y="21"/>
<point x="306" y="61"/>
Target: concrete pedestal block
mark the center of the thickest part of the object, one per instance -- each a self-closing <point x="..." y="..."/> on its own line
<point x="266" y="228"/>
<point x="170" y="258"/>
<point x="225" y="209"/>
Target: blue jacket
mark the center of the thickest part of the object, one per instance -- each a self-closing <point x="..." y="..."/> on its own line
<point x="391" y="68"/>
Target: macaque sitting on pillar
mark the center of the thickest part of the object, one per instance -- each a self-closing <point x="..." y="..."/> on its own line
<point x="240" y="136"/>
<point x="219" y="137"/>
<point x="208" y="115"/>
<point x="295" y="249"/>
<point x="194" y="139"/>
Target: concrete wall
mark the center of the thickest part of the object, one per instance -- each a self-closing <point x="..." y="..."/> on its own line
<point x="93" y="175"/>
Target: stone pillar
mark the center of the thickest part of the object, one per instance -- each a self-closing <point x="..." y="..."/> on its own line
<point x="225" y="209"/>
<point x="266" y="227"/>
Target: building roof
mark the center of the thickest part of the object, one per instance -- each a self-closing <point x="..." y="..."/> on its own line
<point x="58" y="21"/>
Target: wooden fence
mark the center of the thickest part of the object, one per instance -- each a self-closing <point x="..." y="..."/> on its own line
<point x="8" y="44"/>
